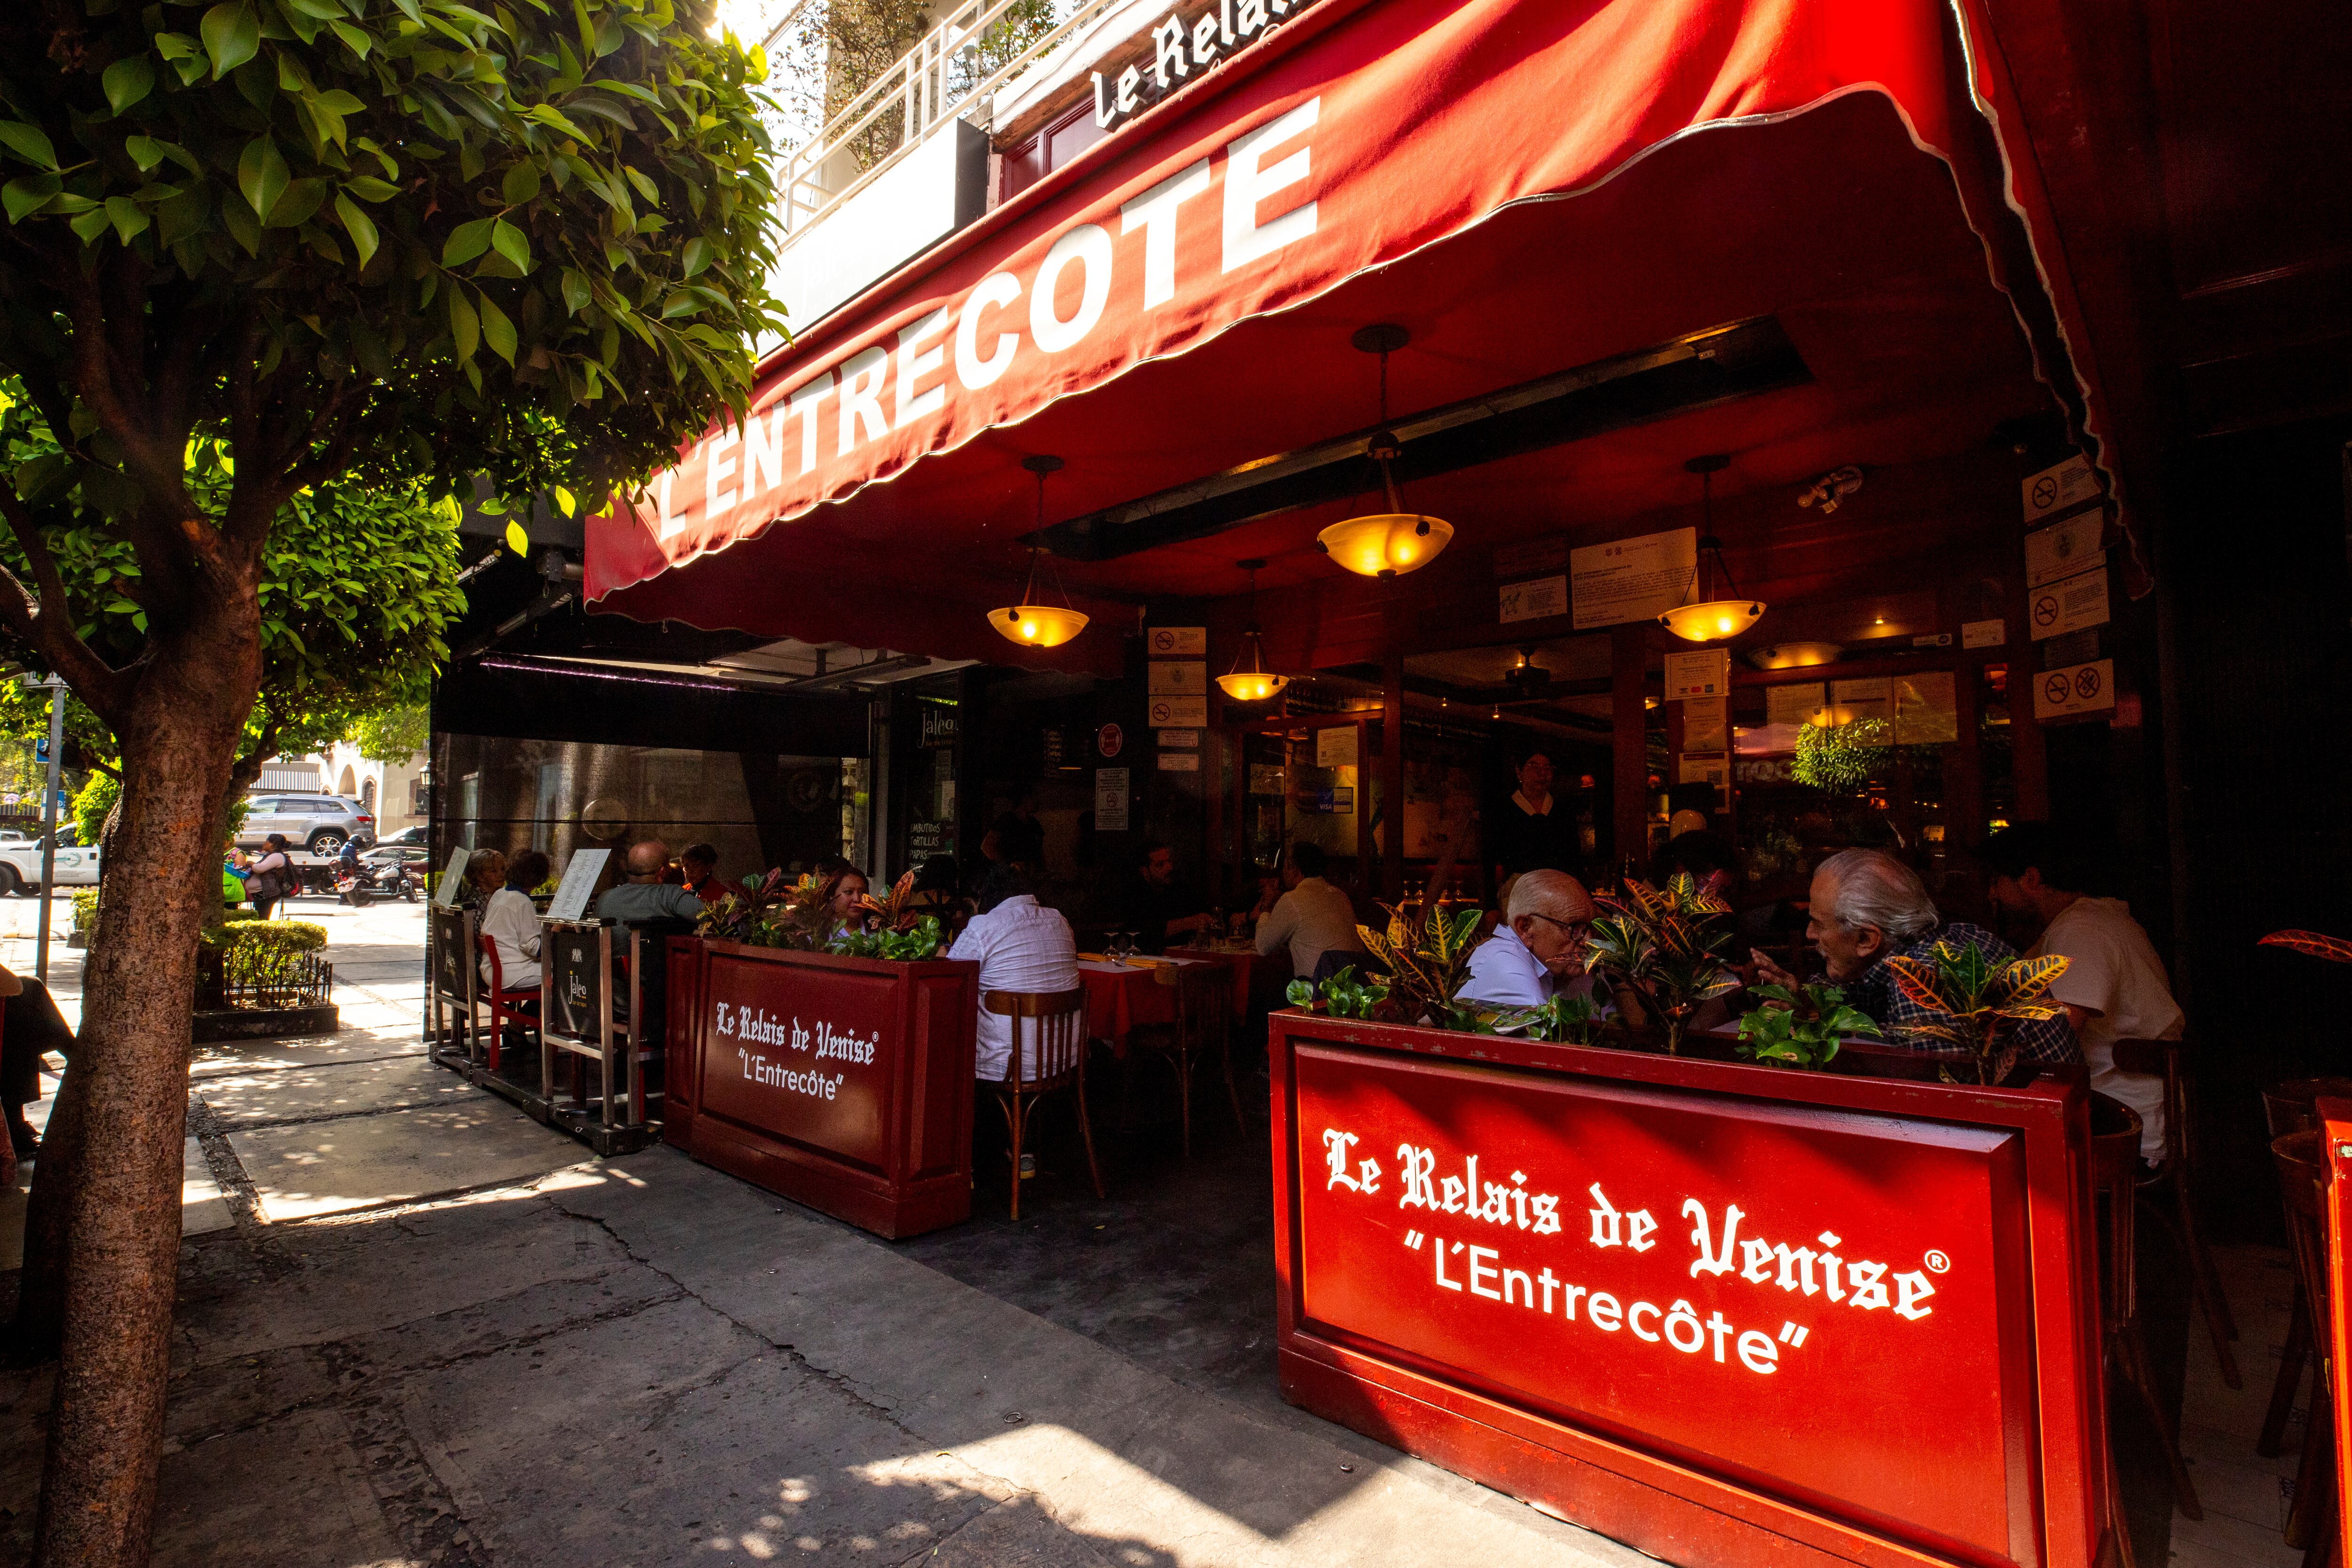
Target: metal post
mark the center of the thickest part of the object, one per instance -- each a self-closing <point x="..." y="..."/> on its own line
<point x="50" y="825"/>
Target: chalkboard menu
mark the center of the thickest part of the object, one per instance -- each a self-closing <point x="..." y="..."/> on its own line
<point x="450" y="946"/>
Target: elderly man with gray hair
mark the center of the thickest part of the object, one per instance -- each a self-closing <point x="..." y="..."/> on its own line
<point x="1537" y="953"/>
<point x="1867" y="907"/>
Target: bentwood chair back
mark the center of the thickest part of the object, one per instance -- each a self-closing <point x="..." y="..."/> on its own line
<point x="2302" y="1183"/>
<point x="1049" y="1054"/>
<point x="2114" y="1173"/>
<point x="1201" y="1002"/>
<point x="2164" y="1187"/>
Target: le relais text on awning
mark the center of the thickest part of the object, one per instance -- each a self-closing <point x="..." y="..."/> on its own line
<point x="1182" y="42"/>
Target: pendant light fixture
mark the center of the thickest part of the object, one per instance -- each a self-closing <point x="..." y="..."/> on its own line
<point x="1253" y="684"/>
<point x="1709" y="619"/>
<point x="1031" y="624"/>
<point x="1389" y="543"/>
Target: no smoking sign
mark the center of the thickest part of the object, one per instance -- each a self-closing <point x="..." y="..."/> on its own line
<point x="2076" y="689"/>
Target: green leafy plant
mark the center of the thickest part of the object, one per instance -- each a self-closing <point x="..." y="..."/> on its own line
<point x="1804" y="1030"/>
<point x="1342" y="995"/>
<point x="770" y="912"/>
<point x="894" y="911"/>
<point x="1563" y="1021"/>
<point x="1666" y="945"/>
<point x="1841" y="757"/>
<point x="918" y="941"/>
<point x="1426" y="963"/>
<point x="1981" y="1000"/>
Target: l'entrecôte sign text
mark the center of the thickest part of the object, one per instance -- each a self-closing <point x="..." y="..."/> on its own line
<point x="1183" y="44"/>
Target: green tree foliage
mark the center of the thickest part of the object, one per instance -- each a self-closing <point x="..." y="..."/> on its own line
<point x="92" y="802"/>
<point x="393" y="733"/>
<point x="264" y="260"/>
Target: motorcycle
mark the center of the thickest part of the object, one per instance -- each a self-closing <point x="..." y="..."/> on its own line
<point x="365" y="883"/>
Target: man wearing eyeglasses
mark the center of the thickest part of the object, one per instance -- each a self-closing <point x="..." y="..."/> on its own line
<point x="1538" y="952"/>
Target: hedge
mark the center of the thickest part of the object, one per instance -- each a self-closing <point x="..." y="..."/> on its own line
<point x="262" y="952"/>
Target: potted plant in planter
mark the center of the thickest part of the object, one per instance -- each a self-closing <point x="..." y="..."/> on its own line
<point x="1341" y="996"/>
<point x="1983" y="1000"/>
<point x="1665" y="946"/>
<point x="1803" y="1029"/>
<point x="1426" y="963"/>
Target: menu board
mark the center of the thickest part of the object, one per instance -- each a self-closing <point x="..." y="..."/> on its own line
<point x="453" y="880"/>
<point x="579" y="880"/>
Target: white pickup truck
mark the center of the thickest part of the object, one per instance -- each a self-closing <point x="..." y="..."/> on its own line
<point x="20" y="863"/>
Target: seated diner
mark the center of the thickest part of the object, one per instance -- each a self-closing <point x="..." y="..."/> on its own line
<point x="1311" y="918"/>
<point x="510" y="921"/>
<point x="1866" y="907"/>
<point x="645" y="897"/>
<point x="1537" y="953"/>
<point x="1019" y="946"/>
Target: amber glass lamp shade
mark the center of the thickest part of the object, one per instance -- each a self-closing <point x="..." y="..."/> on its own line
<point x="1251" y="686"/>
<point x="1036" y="625"/>
<point x="1713" y="620"/>
<point x="1386" y="544"/>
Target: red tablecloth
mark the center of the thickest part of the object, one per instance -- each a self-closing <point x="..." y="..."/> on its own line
<point x="1121" y="996"/>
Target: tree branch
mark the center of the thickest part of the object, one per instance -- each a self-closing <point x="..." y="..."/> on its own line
<point x="46" y="622"/>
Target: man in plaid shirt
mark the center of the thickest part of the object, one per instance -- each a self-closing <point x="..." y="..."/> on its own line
<point x="1868" y="907"/>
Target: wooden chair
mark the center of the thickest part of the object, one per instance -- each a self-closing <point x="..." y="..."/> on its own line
<point x="2302" y="1181"/>
<point x="2115" y="1191"/>
<point x="1050" y="1028"/>
<point x="502" y="1002"/>
<point x="2292" y="1107"/>
<point x="2165" y="1189"/>
<point x="1202" y="997"/>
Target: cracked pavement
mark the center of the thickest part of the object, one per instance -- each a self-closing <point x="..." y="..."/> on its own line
<point x="569" y="1361"/>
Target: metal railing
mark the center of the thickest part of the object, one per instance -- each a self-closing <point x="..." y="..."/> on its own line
<point x="262" y="979"/>
<point x="944" y="77"/>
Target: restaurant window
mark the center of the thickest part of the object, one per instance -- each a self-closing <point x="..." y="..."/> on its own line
<point x="1308" y="783"/>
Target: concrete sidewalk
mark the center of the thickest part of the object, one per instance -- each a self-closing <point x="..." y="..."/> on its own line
<point x="433" y="1333"/>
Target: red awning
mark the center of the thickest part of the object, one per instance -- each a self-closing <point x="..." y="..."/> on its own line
<point x="1528" y="185"/>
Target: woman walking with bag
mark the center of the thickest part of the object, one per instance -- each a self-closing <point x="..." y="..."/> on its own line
<point x="272" y="877"/>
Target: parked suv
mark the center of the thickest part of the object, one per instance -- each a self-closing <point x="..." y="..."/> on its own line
<point x="318" y="823"/>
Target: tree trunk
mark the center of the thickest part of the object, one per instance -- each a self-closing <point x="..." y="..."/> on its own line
<point x="123" y="1205"/>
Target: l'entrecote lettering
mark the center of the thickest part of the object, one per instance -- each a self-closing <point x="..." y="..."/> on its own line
<point x="776" y="1075"/>
<point x="971" y="343"/>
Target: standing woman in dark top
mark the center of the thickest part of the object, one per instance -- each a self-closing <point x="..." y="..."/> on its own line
<point x="1531" y="833"/>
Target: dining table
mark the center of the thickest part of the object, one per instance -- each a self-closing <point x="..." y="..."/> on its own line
<point x="1121" y="996"/>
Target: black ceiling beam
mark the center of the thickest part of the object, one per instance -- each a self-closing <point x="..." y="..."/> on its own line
<point x="1698" y="372"/>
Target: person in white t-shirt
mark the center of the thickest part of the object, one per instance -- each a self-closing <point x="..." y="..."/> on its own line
<point x="1019" y="946"/>
<point x="2113" y="988"/>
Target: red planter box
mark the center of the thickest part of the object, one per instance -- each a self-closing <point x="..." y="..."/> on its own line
<point x="1731" y="1314"/>
<point x="843" y="1083"/>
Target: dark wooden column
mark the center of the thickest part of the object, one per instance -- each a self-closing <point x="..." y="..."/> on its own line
<point x="1392" y="765"/>
<point x="1630" y="767"/>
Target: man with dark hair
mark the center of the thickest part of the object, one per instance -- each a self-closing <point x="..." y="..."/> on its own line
<point x="1311" y="918"/>
<point x="699" y="864"/>
<point x="1529" y="834"/>
<point x="2114" y="986"/>
<point x="1152" y="905"/>
<point x="1019" y="946"/>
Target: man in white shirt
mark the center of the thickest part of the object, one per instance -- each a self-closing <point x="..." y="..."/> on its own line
<point x="1538" y="952"/>
<point x="2115" y="986"/>
<point x="1020" y="947"/>
<point x="1311" y="918"/>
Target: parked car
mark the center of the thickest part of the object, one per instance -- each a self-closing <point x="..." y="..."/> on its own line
<point x="418" y="838"/>
<point x="318" y="823"/>
<point x="20" y="863"/>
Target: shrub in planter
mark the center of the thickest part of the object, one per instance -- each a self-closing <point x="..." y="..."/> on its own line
<point x="261" y="955"/>
<point x="1804" y="1030"/>
<point x="1342" y="995"/>
<point x="85" y="908"/>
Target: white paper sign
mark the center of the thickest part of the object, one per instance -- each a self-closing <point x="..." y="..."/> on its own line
<point x="1533" y="601"/>
<point x="1111" y="800"/>
<point x="1631" y="579"/>
<point x="1190" y="713"/>
<point x="2071" y="605"/>
<point x="1869" y="698"/>
<point x="453" y="881"/>
<point x="2063" y="549"/>
<point x="1177" y="678"/>
<point x="570" y="901"/>
<point x="1706" y="673"/>
<point x="1189" y="738"/>
<point x="1178" y="642"/>
<point x="1795" y="705"/>
<point x="1335" y="746"/>
<point x="1983" y="633"/>
<point x="1704" y="721"/>
<point x="1177" y="762"/>
<point x="2058" y="488"/>
<point x="2076" y="688"/>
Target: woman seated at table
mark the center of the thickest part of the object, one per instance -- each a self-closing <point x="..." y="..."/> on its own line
<point x="510" y="921"/>
<point x="844" y="890"/>
<point x="1020" y="947"/>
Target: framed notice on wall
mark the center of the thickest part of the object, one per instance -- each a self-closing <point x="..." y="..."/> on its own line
<point x="1111" y="800"/>
<point x="1631" y="579"/>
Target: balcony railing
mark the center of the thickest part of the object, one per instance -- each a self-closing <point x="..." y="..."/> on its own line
<point x="953" y="72"/>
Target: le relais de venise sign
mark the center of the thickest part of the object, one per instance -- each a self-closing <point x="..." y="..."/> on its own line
<point x="1184" y="42"/>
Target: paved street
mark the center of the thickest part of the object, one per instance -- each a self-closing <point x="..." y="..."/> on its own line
<point x="418" y="1329"/>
